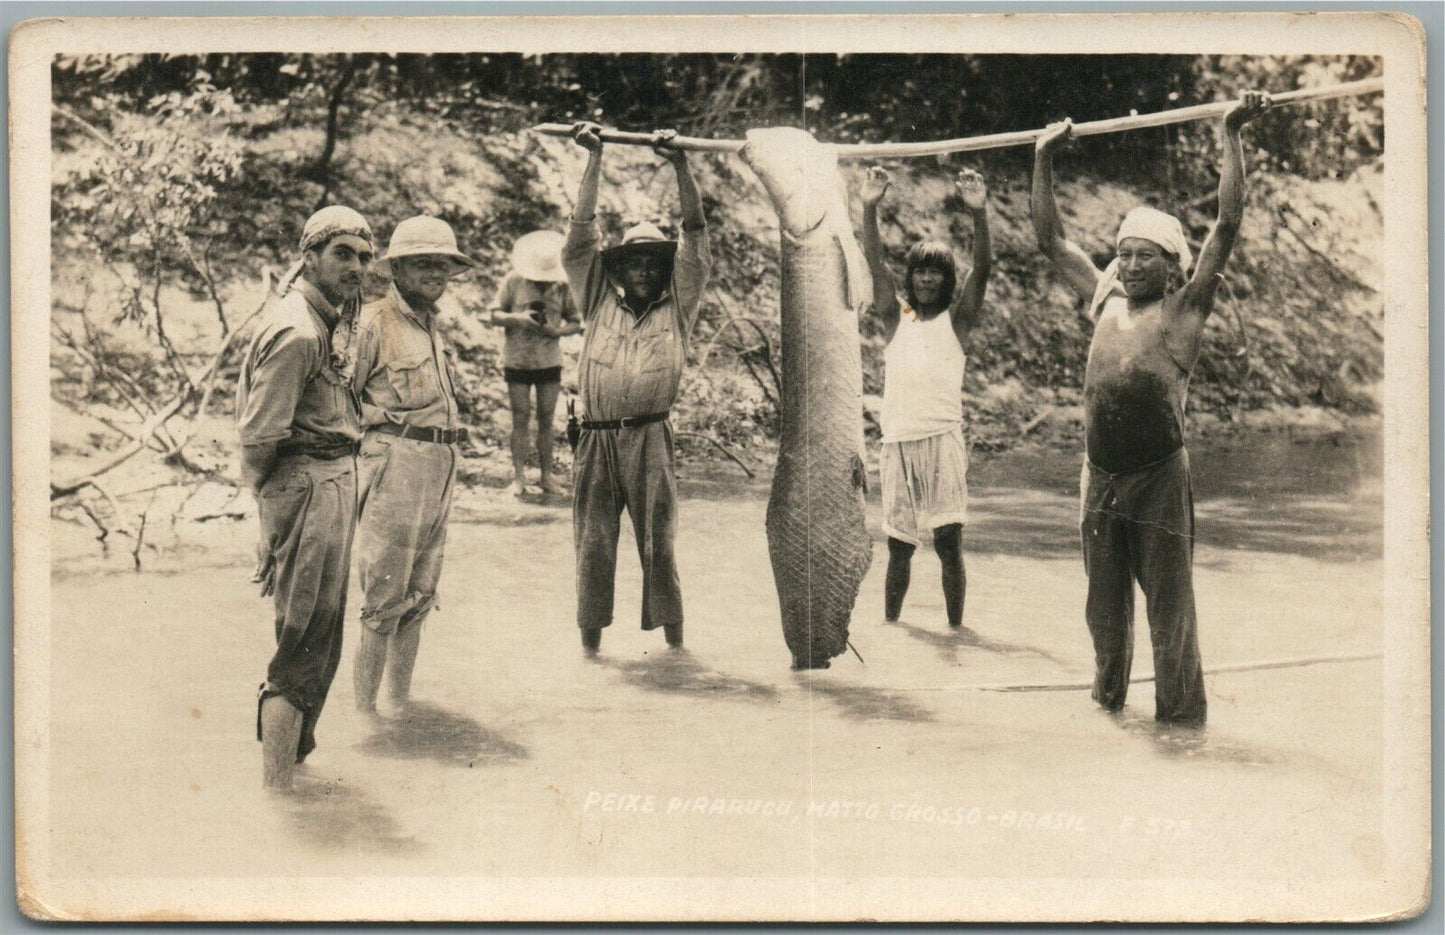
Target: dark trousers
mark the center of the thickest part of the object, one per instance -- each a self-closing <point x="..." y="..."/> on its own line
<point x="1139" y="526"/>
<point x="308" y="515"/>
<point x="632" y="468"/>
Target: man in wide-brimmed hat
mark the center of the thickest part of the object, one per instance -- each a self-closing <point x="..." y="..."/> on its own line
<point x="408" y="461"/>
<point x="535" y="307"/>
<point x="299" y="428"/>
<point x="639" y="300"/>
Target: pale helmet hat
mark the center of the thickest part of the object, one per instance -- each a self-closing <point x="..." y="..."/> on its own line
<point x="1149" y="224"/>
<point x="538" y="256"/>
<point x="642" y="238"/>
<point x="427" y="236"/>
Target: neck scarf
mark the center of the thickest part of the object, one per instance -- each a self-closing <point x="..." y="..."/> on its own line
<point x="342" y="321"/>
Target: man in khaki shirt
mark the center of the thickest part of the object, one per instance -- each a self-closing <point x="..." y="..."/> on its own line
<point x="408" y="456"/>
<point x="299" y="427"/>
<point x="639" y="301"/>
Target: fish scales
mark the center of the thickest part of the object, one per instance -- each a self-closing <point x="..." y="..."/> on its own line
<point x="818" y="540"/>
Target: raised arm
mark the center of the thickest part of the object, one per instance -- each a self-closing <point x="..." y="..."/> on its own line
<point x="586" y="136"/>
<point x="968" y="304"/>
<point x="687" y="195"/>
<point x="1068" y="257"/>
<point x="580" y="257"/>
<point x="1198" y="294"/>
<point x="885" y="291"/>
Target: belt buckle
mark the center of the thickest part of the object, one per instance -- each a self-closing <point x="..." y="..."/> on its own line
<point x="627" y="422"/>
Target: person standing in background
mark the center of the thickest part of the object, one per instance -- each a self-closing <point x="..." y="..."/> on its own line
<point x="534" y="306"/>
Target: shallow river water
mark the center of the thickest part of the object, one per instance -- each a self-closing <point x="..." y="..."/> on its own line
<point x="525" y="762"/>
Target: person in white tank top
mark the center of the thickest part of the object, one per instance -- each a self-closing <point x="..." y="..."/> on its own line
<point x="924" y="464"/>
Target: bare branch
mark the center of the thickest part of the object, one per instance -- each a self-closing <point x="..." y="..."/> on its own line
<point x="719" y="446"/>
<point x="141" y="532"/>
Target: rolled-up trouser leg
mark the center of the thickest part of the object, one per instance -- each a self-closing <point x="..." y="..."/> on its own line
<point x="307" y="513"/>
<point x="1109" y="608"/>
<point x="1164" y="564"/>
<point x="649" y="477"/>
<point x="596" y="514"/>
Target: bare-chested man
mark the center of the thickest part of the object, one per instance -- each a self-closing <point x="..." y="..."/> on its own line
<point x="1137" y="508"/>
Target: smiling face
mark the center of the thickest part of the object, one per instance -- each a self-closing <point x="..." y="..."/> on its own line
<point x="927" y="282"/>
<point x="1144" y="268"/>
<point x="641" y="276"/>
<point x="337" y="266"/>
<point x="421" y="280"/>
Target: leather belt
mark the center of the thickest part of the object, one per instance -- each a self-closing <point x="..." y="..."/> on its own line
<point x="417" y="433"/>
<point x="627" y="423"/>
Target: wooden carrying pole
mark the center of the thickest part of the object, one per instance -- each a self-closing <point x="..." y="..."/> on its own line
<point x="992" y="140"/>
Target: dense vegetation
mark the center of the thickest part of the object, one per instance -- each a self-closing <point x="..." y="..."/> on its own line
<point x="180" y="181"/>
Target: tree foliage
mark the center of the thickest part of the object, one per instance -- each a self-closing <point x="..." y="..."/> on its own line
<point x="195" y="172"/>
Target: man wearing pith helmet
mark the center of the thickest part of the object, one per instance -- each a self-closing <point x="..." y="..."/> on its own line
<point x="299" y="427"/>
<point x="639" y="301"/>
<point x="408" y="461"/>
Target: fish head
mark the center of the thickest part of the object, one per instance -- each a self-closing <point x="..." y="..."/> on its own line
<point x="798" y="173"/>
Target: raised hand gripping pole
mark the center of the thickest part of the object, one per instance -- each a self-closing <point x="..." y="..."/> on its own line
<point x="992" y="140"/>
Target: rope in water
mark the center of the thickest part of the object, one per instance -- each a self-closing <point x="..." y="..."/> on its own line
<point x="1215" y="670"/>
<point x="992" y="140"/>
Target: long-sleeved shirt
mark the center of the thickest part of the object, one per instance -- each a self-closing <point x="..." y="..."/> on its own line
<point x="402" y="375"/>
<point x="632" y="361"/>
<point x="289" y="391"/>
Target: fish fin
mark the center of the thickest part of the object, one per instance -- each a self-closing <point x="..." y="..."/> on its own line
<point x="858" y="279"/>
<point x="860" y="474"/>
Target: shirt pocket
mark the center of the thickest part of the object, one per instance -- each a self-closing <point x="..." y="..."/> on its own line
<point x="655" y="352"/>
<point x="603" y="350"/>
<point x="413" y="379"/>
<point x="336" y="395"/>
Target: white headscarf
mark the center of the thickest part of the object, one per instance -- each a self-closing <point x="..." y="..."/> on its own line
<point x="1149" y="224"/>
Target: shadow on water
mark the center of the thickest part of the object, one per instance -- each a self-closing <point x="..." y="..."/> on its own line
<point x="425" y="731"/>
<point x="1317" y="498"/>
<point x="679" y="671"/>
<point x="949" y="642"/>
<point x="862" y="703"/>
<point x="1175" y="742"/>
<point x="331" y="815"/>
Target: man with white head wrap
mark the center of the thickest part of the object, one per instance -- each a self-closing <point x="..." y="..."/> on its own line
<point x="1137" y="505"/>
<point x="299" y="425"/>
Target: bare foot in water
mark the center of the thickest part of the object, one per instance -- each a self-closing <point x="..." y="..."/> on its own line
<point x="552" y="487"/>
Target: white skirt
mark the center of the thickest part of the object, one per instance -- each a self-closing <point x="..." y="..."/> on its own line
<point x="925" y="484"/>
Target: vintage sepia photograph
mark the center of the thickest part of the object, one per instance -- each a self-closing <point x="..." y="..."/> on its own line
<point x="721" y="468"/>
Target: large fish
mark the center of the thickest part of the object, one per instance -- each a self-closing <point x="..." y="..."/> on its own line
<point x="817" y="538"/>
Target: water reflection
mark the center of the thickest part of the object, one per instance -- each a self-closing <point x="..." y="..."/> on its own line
<point x="331" y="814"/>
<point x="425" y="731"/>
<point x="1178" y="742"/>
<point x="679" y="671"/>
<point x="949" y="641"/>
<point x="864" y="703"/>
